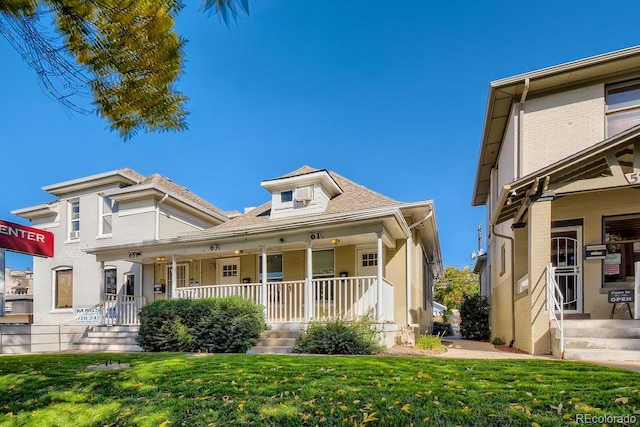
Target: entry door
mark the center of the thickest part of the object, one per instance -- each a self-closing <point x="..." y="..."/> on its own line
<point x="228" y="271"/>
<point x="566" y="257"/>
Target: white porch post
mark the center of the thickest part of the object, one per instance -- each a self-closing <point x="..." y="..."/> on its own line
<point x="174" y="276"/>
<point x="636" y="308"/>
<point x="101" y="281"/>
<point x="264" y="277"/>
<point x="379" y="278"/>
<point x="308" y="297"/>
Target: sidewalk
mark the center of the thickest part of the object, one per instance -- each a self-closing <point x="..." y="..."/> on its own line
<point x="467" y="349"/>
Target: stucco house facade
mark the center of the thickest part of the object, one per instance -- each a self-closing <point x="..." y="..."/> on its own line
<point x="558" y="173"/>
<point x="329" y="247"/>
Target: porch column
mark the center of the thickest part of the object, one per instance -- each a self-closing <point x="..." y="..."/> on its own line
<point x="308" y="285"/>
<point x="174" y="276"/>
<point x="379" y="278"/>
<point x="101" y="281"/>
<point x="539" y="257"/>
<point x="264" y="277"/>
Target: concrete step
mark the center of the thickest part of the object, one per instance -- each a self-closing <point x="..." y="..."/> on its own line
<point x="280" y="341"/>
<point x="271" y="341"/>
<point x="603" y="343"/>
<point x="275" y="349"/>
<point x="601" y="355"/>
<point x="602" y="323"/>
<point x="100" y="347"/>
<point x="602" y="332"/>
<point x="102" y="340"/>
<point x="108" y="334"/>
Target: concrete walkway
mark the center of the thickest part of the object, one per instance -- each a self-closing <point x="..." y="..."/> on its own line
<point x="467" y="349"/>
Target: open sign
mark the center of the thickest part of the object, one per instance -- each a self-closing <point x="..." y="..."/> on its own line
<point x="616" y="296"/>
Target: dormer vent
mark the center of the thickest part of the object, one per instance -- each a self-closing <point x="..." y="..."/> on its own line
<point x="304" y="194"/>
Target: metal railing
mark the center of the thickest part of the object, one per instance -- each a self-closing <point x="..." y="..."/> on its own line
<point x="555" y="304"/>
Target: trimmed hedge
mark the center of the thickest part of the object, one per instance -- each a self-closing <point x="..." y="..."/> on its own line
<point x="219" y="325"/>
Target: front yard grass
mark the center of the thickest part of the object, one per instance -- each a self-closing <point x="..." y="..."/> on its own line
<point x="161" y="389"/>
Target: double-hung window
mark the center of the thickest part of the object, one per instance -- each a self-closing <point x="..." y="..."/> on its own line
<point x="107" y="208"/>
<point x="623" y="107"/>
<point x="74" y="219"/>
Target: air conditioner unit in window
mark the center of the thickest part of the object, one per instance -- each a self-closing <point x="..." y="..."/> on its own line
<point x="304" y="194"/>
<point x="74" y="235"/>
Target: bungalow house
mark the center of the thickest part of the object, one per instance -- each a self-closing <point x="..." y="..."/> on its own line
<point x="558" y="172"/>
<point x="322" y="246"/>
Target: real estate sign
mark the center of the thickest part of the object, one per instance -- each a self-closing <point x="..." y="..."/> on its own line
<point x="26" y="240"/>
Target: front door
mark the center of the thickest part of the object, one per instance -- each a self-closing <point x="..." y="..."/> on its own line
<point x="228" y="271"/>
<point x="566" y="258"/>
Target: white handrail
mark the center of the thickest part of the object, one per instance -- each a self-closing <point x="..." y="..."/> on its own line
<point x="555" y="304"/>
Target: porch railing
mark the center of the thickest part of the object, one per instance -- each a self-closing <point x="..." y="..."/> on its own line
<point x="346" y="297"/>
<point x="555" y="304"/>
<point x="122" y="309"/>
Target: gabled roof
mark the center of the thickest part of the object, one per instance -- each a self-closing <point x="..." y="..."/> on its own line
<point x="503" y="93"/>
<point x="167" y="186"/>
<point x="128" y="184"/>
<point x="588" y="164"/>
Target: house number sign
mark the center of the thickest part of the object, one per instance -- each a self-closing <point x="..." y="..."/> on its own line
<point x="214" y="247"/>
<point x="633" y="178"/>
<point x="315" y="236"/>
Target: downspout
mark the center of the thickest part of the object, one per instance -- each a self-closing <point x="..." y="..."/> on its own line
<point x="409" y="265"/>
<point x="523" y="98"/>
<point x="158" y="214"/>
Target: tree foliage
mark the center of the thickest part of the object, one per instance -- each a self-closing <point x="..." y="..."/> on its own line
<point x="454" y="284"/>
<point x="124" y="54"/>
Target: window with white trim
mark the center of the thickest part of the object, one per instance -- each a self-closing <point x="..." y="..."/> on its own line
<point x="74" y="219"/>
<point x="63" y="292"/>
<point x="107" y="208"/>
<point x="110" y="281"/>
<point x="623" y="107"/>
<point x="274" y="268"/>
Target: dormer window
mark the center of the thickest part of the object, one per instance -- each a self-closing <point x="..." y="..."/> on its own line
<point x="286" y="196"/>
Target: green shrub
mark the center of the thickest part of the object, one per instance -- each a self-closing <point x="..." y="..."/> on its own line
<point x="337" y="336"/>
<point x="430" y="342"/>
<point x="442" y="329"/>
<point x="231" y="325"/>
<point x="497" y="341"/>
<point x="474" y="314"/>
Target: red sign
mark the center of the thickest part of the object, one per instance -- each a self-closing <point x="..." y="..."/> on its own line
<point x="27" y="240"/>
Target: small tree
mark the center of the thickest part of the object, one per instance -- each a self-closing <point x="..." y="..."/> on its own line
<point x="454" y="284"/>
<point x="474" y="314"/>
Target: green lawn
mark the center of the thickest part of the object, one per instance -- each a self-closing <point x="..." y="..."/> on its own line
<point x="217" y="390"/>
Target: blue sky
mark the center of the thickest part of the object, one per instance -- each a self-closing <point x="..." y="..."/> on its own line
<point x="389" y="94"/>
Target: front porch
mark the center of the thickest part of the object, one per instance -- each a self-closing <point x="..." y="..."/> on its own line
<point x="294" y="302"/>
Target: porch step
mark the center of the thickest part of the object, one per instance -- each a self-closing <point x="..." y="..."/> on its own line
<point x="276" y="342"/>
<point x="109" y="338"/>
<point x="599" y="340"/>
